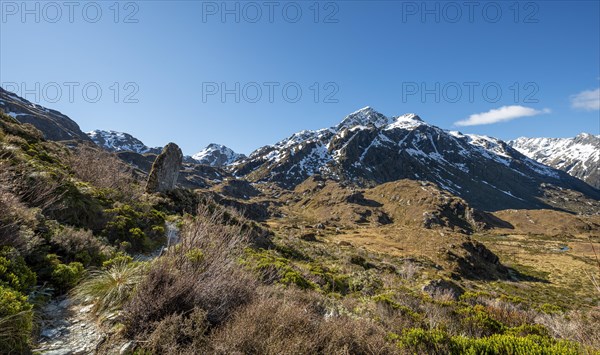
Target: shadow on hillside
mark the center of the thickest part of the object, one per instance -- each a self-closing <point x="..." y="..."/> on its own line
<point x="496" y="222"/>
<point x="482" y="264"/>
<point x="359" y="199"/>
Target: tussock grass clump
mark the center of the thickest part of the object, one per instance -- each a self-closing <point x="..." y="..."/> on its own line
<point x="16" y="321"/>
<point x="111" y="288"/>
<point x="15" y="330"/>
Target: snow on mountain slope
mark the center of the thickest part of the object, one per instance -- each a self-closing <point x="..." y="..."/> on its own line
<point x="578" y="156"/>
<point x="368" y="148"/>
<point x="53" y="124"/>
<point x="120" y="142"/>
<point x="217" y="155"/>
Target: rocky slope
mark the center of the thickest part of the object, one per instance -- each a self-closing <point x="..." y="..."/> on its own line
<point x="367" y="148"/>
<point x="53" y="124"/>
<point x="217" y="155"/>
<point x="120" y="142"/>
<point x="579" y="156"/>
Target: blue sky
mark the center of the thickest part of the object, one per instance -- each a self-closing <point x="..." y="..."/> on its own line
<point x="172" y="59"/>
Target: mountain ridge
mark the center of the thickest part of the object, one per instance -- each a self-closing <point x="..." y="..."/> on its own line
<point x="53" y="124"/>
<point x="579" y="156"/>
<point x="368" y="148"/>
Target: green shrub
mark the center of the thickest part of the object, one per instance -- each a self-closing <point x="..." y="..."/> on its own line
<point x="435" y="341"/>
<point x="78" y="245"/>
<point x="528" y="329"/>
<point x="425" y="341"/>
<point x="550" y="308"/>
<point x="65" y="276"/>
<point x="141" y="227"/>
<point x="119" y="258"/>
<point x="510" y="344"/>
<point x="14" y="272"/>
<point x="195" y="255"/>
<point x="386" y="300"/>
<point x="479" y="322"/>
<point x="272" y="266"/>
<point x="329" y="280"/>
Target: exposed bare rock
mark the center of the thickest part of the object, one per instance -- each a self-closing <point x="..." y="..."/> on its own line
<point x="165" y="169"/>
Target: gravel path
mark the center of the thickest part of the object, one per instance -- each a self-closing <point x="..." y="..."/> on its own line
<point x="71" y="328"/>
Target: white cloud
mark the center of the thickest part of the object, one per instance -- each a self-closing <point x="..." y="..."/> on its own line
<point x="502" y="114"/>
<point x="588" y="100"/>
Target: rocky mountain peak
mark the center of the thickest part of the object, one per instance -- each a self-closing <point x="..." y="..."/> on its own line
<point x="364" y="117"/>
<point x="217" y="155"/>
<point x="114" y="141"/>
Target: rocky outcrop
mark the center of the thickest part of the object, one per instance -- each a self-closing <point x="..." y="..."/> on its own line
<point x="443" y="288"/>
<point x="165" y="169"/>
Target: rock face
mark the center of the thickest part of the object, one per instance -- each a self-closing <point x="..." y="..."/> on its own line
<point x="578" y="156"/>
<point x="53" y="124"/>
<point x="165" y="169"/>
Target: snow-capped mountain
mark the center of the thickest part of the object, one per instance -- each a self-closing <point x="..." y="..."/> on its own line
<point x="53" y="124"/>
<point x="578" y="156"/>
<point x="368" y="148"/>
<point x="217" y="155"/>
<point x="120" y="142"/>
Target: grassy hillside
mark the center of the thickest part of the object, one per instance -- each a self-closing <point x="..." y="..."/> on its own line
<point x="63" y="210"/>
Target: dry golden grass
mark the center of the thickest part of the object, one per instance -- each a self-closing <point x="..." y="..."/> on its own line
<point x="566" y="271"/>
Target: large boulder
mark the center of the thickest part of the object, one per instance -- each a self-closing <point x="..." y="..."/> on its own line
<point x="165" y="169"/>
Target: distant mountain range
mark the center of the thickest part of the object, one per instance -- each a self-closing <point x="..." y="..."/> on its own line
<point x="367" y="149"/>
<point x="578" y="156"/>
<point x="214" y="154"/>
